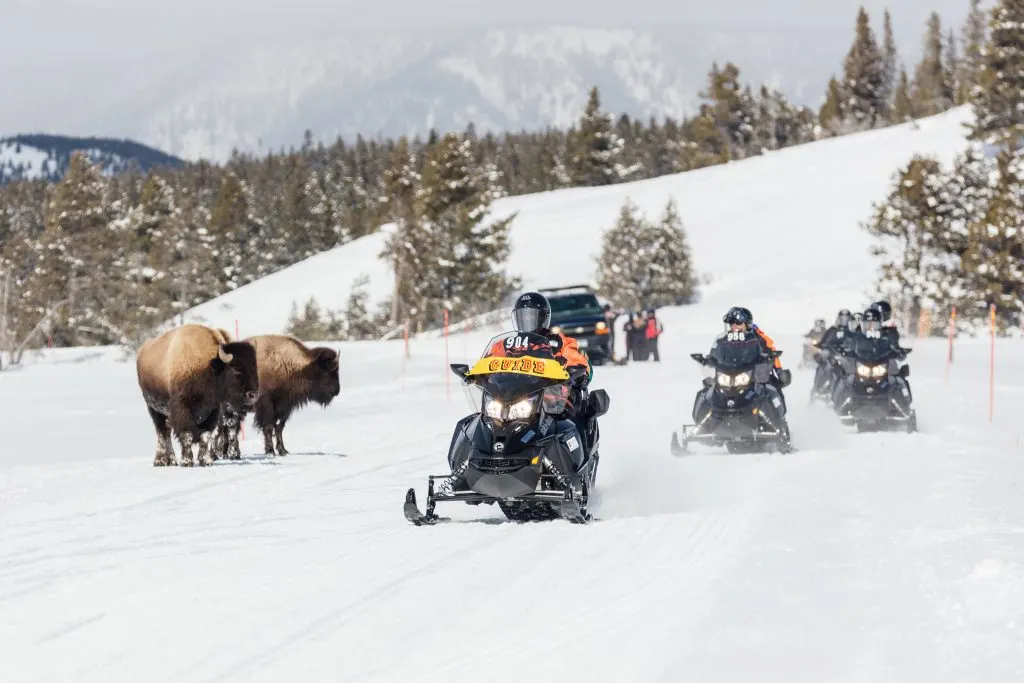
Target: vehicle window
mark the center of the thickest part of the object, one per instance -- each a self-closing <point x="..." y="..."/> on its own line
<point x="577" y="304"/>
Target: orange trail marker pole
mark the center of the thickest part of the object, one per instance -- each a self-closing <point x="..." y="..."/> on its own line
<point x="992" y="361"/>
<point x="447" y="374"/>
<point x="952" y="333"/>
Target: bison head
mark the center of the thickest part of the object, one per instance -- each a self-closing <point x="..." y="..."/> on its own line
<point x="235" y="364"/>
<point x="324" y="376"/>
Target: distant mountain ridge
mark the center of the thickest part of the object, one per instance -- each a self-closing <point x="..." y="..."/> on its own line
<point x="46" y="156"/>
<point x="265" y="97"/>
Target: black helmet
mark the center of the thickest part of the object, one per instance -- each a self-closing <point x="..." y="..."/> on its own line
<point x="531" y="313"/>
<point x="738" y="315"/>
<point x="843" y="318"/>
<point x="884" y="310"/>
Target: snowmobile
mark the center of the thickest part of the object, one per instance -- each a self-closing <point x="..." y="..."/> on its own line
<point x="519" y="448"/>
<point x="736" y="409"/>
<point x="872" y="396"/>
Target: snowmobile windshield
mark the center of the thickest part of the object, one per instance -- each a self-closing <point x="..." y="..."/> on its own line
<point x="729" y="355"/>
<point x="872" y="350"/>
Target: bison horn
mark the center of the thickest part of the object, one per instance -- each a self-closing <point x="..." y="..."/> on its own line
<point x="224" y="355"/>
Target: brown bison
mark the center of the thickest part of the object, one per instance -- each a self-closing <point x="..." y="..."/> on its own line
<point x="226" y="441"/>
<point x="291" y="375"/>
<point x="188" y="376"/>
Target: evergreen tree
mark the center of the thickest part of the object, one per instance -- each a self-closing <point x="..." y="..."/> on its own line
<point x="622" y="267"/>
<point x="902" y="107"/>
<point x="973" y="37"/>
<point x="408" y="247"/>
<point x="890" y="62"/>
<point x="830" y="116"/>
<point x="954" y="70"/>
<point x="932" y="91"/>
<point x="994" y="260"/>
<point x="864" y="102"/>
<point x="731" y="108"/>
<point x="465" y="274"/>
<point x="672" y="280"/>
<point x="596" y="157"/>
<point x="998" y="101"/>
<point x="909" y="225"/>
<point x="360" y="324"/>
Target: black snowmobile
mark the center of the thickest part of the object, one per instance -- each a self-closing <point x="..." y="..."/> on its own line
<point x="871" y="396"/>
<point x="736" y="408"/>
<point x="520" y="449"/>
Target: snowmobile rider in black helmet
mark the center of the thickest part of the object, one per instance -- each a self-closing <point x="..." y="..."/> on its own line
<point x="739" y="319"/>
<point x="532" y="313"/>
<point x="835" y="341"/>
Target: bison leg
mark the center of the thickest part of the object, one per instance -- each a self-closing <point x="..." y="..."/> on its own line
<point x="229" y="428"/>
<point x="164" y="448"/>
<point x="207" y="444"/>
<point x="186" y="441"/>
<point x="279" y="433"/>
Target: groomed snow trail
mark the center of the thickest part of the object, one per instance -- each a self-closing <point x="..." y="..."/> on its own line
<point x="859" y="558"/>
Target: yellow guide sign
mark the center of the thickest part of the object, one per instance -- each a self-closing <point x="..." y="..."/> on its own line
<point x="527" y="365"/>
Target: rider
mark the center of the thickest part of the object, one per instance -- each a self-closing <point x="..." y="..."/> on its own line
<point x="884" y="324"/>
<point x="741" y="319"/>
<point x="532" y="314"/>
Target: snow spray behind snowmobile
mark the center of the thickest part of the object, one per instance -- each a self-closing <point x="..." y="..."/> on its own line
<point x="873" y="395"/>
<point x="736" y="408"/>
<point x="519" y="449"/>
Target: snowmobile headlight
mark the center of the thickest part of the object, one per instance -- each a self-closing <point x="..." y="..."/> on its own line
<point x="492" y="408"/>
<point x="556" y="329"/>
<point x="520" y="410"/>
<point x="863" y="370"/>
<point x="724" y="379"/>
<point x="879" y="371"/>
<point x="741" y="380"/>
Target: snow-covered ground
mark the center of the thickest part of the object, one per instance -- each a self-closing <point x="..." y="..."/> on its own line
<point x="859" y="558"/>
<point x="875" y="558"/>
<point x="759" y="224"/>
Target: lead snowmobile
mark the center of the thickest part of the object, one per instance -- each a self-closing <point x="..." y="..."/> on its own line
<point x="737" y="408"/>
<point x="520" y="448"/>
<point x="873" y="395"/>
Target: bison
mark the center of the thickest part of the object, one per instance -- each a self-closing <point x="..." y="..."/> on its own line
<point x="291" y="375"/>
<point x="187" y="376"/>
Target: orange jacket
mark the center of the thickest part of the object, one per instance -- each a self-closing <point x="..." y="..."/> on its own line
<point x="768" y="341"/>
<point x="569" y="350"/>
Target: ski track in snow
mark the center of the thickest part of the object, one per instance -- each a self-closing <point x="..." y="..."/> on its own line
<point x="861" y="557"/>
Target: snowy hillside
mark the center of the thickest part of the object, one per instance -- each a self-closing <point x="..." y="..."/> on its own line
<point x="752" y="225"/>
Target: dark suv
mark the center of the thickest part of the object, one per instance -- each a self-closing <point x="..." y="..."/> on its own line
<point x="576" y="313"/>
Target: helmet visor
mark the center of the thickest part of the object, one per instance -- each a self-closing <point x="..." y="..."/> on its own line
<point x="526" y="319"/>
<point x="843" y="319"/>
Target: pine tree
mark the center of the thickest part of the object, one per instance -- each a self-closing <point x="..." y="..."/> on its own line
<point x="902" y="107"/>
<point x="954" y="70"/>
<point x="622" y="274"/>
<point x="974" y="36"/>
<point x="998" y="100"/>
<point x="864" y="102"/>
<point x="407" y="246"/>
<point x="994" y="261"/>
<point x="732" y="109"/>
<point x="465" y="272"/>
<point x="596" y="157"/>
<point x="931" y="91"/>
<point x="909" y="225"/>
<point x="672" y="280"/>
<point x="890" y="62"/>
<point x="359" y="323"/>
<point x="830" y="116"/>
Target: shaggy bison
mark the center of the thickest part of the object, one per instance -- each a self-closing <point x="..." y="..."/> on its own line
<point x="291" y="375"/>
<point x="187" y="377"/>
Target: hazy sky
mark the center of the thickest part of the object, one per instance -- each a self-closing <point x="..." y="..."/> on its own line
<point x="55" y="52"/>
<point x="97" y="28"/>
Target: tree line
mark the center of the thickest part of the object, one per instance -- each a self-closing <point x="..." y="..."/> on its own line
<point x="99" y="258"/>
